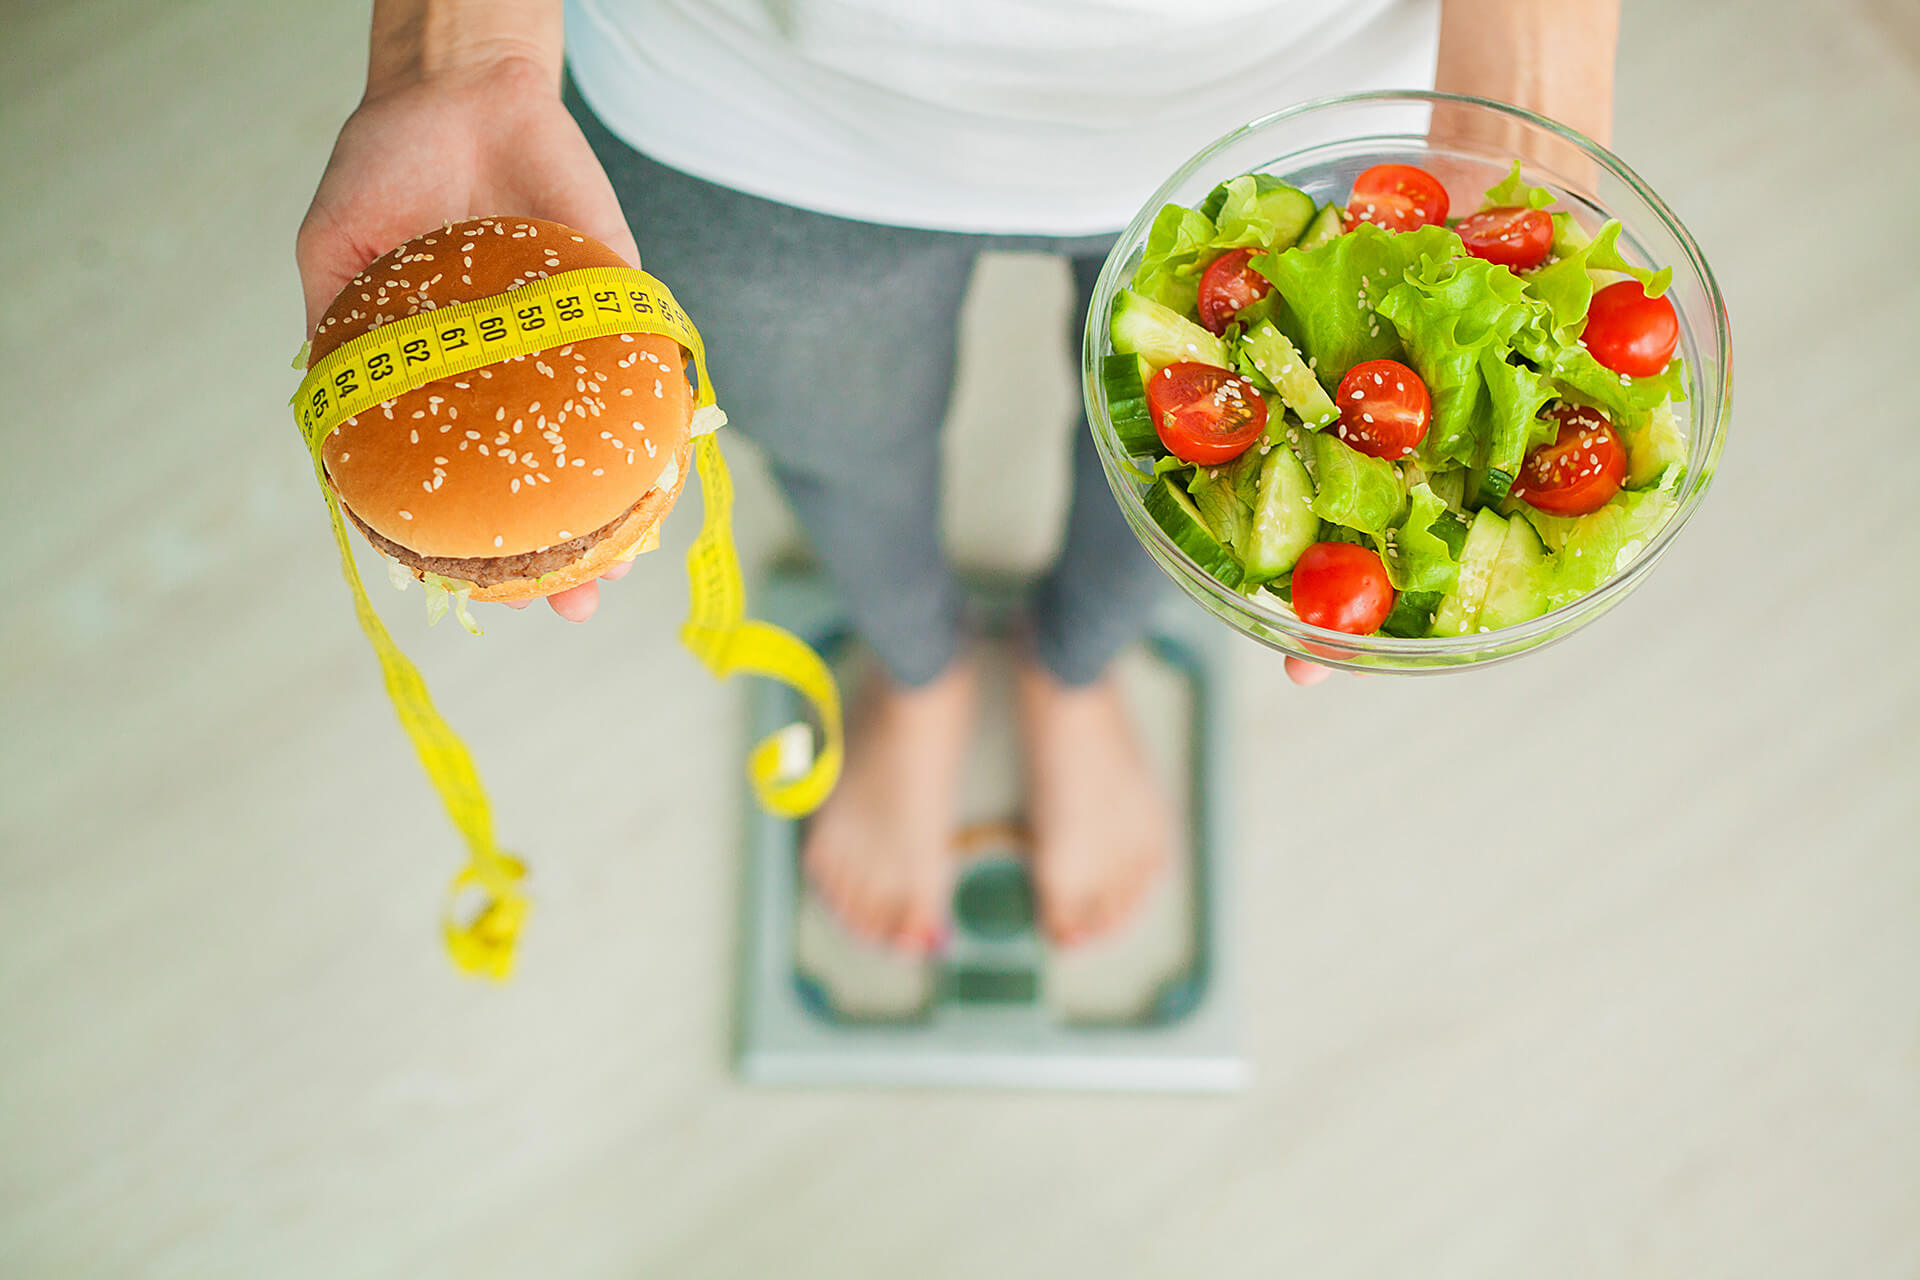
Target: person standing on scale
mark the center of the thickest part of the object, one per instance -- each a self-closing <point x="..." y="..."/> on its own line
<point x="815" y="179"/>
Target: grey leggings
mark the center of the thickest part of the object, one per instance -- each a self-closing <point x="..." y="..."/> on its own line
<point x="832" y="345"/>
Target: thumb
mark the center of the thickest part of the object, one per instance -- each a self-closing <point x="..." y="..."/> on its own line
<point x="620" y="240"/>
<point x="574" y="189"/>
<point x="598" y="214"/>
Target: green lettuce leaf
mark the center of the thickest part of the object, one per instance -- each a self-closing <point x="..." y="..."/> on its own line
<point x="1176" y="252"/>
<point x="1591" y="549"/>
<point x="1566" y="284"/>
<point x="1164" y="465"/>
<point x="443" y="593"/>
<point x="1515" y="395"/>
<point x="1353" y="489"/>
<point x="1244" y="474"/>
<point x="1418" y="558"/>
<point x="1331" y="292"/>
<point x="1628" y="402"/>
<point x="1258" y="211"/>
<point x="1511" y="192"/>
<point x="1457" y="318"/>
<point x="1218" y="500"/>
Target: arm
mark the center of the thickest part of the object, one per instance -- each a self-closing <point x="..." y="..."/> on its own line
<point x="411" y="40"/>
<point x="461" y="118"/>
<point x="1554" y="57"/>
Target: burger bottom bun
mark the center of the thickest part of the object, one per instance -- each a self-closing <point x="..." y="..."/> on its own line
<point x="637" y="533"/>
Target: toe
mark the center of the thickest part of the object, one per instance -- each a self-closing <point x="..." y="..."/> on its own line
<point x="855" y="907"/>
<point x="884" y="920"/>
<point x="1074" y="920"/>
<point x="1119" y="907"/>
<point x="920" y="924"/>
<point x="1055" y="921"/>
<point x="839" y="891"/>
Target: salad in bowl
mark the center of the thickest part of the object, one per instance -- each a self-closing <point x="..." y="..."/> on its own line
<point x="1369" y="426"/>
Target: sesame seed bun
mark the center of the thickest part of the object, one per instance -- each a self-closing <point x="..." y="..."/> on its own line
<point x="557" y="463"/>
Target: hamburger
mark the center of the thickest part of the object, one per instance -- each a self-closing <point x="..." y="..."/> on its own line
<point x="524" y="477"/>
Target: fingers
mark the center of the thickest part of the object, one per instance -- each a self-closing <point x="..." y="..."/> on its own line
<point x="576" y="604"/>
<point x="1302" y="672"/>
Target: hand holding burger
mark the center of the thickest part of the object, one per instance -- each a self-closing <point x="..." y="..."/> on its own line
<point x="474" y="127"/>
<point x="525" y="477"/>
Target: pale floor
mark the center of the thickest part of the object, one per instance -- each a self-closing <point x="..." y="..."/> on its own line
<point x="1605" y="963"/>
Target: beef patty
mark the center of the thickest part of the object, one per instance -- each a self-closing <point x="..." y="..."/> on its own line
<point x="491" y="571"/>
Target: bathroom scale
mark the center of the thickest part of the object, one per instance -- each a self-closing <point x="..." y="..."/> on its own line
<point x="1151" y="1007"/>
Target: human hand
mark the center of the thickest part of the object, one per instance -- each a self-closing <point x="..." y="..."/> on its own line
<point x="471" y="140"/>
<point x="1303" y="673"/>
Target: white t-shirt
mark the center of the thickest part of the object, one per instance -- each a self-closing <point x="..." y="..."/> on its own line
<point x="1052" y="117"/>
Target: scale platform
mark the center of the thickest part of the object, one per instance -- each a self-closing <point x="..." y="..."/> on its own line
<point x="1153" y="1007"/>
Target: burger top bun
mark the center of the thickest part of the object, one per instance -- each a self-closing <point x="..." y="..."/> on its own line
<point x="518" y="456"/>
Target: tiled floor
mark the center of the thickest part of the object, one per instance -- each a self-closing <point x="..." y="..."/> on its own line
<point x="1605" y="963"/>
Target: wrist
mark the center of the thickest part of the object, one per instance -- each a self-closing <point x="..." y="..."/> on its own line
<point x="413" y="41"/>
<point x="1554" y="59"/>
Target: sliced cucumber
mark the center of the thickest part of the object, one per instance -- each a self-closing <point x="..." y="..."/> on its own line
<point x="1263" y="212"/>
<point x="1127" y="403"/>
<point x="1517" y="587"/>
<point x="1281" y="364"/>
<point x="1495" y="484"/>
<point x="1167" y="502"/>
<point x="1657" y="452"/>
<point x="1412" y="615"/>
<point x="1459" y="613"/>
<point x="1325" y="226"/>
<point x="1452" y="530"/>
<point x="1161" y="335"/>
<point x="1244" y="366"/>
<point x="1283" y="523"/>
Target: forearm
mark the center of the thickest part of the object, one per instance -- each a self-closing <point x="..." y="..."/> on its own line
<point x="1554" y="57"/>
<point x="412" y="40"/>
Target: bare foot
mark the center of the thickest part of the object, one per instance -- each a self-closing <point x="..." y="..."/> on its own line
<point x="880" y="848"/>
<point x="1101" y="826"/>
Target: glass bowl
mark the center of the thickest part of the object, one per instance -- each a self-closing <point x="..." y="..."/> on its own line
<point x="1320" y="146"/>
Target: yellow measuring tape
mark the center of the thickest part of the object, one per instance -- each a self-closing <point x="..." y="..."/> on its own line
<point x="408" y="354"/>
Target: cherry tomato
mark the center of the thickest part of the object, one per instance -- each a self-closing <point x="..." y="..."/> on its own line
<point x="1341" y="587"/>
<point x="1629" y="332"/>
<point x="1579" y="471"/>
<point x="1384" y="409"/>
<point x="1227" y="285"/>
<point x="1398" y="197"/>
<point x="1204" y="413"/>
<point x="1509" y="236"/>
